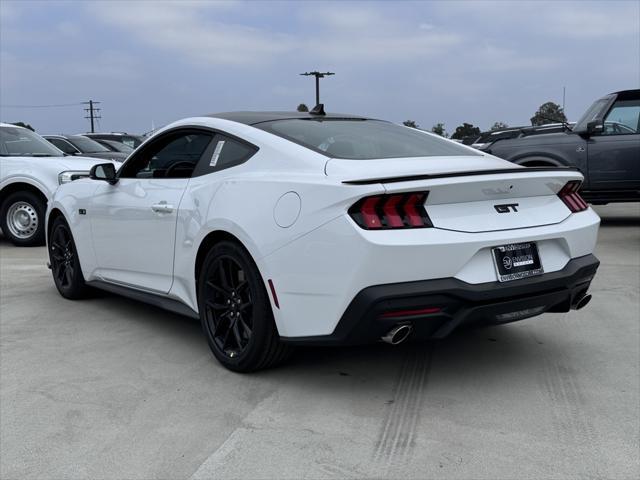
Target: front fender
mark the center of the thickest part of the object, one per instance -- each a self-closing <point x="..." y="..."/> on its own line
<point x="46" y="190"/>
<point x="70" y="199"/>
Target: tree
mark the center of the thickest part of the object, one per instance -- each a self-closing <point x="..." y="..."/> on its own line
<point x="25" y="125"/>
<point x="410" y="123"/>
<point x="499" y="126"/>
<point x="465" y="130"/>
<point x="302" y="108"/>
<point x="548" y="113"/>
<point x="438" y="129"/>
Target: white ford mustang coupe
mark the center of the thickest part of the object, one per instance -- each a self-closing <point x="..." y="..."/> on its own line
<point x="277" y="228"/>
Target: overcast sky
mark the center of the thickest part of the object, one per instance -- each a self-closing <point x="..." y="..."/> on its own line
<point x="154" y="62"/>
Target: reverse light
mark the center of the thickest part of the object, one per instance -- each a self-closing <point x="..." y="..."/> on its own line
<point x="571" y="198"/>
<point x="394" y="211"/>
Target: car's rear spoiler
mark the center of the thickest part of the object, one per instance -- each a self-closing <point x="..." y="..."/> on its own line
<point x="468" y="173"/>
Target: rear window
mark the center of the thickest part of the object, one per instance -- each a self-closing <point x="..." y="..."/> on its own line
<point x="132" y="141"/>
<point x="362" y="139"/>
<point x="86" y="145"/>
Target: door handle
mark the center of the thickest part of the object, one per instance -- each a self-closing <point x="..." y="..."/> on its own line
<point x="162" y="207"/>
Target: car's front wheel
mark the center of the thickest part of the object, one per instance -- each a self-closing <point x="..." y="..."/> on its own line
<point x="235" y="311"/>
<point x="22" y="219"/>
<point x="65" y="264"/>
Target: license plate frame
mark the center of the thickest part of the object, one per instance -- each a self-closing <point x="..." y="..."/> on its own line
<point x="515" y="261"/>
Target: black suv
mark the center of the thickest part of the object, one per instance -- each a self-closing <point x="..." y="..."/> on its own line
<point x="604" y="144"/>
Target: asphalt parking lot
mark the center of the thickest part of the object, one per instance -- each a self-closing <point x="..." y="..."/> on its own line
<point x="110" y="388"/>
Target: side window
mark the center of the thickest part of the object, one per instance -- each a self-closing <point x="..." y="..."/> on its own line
<point x="63" y="145"/>
<point x="623" y="118"/>
<point x="174" y="155"/>
<point x="224" y="152"/>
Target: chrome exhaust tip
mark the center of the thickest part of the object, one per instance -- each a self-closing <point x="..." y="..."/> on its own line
<point x="397" y="334"/>
<point x="581" y="302"/>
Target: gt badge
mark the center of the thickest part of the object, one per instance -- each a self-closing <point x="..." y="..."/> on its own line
<point x="506" y="207"/>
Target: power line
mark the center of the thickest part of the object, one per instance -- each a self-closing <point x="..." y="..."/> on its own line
<point x="43" y="106"/>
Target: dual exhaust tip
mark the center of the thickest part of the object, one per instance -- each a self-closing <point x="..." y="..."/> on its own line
<point x="397" y="334"/>
<point x="581" y="301"/>
<point x="400" y="333"/>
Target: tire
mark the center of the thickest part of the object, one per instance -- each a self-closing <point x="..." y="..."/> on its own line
<point x="235" y="311"/>
<point x="22" y="219"/>
<point x="65" y="264"/>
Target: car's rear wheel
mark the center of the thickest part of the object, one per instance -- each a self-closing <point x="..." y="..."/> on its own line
<point x="65" y="264"/>
<point x="22" y="219"/>
<point x="235" y="311"/>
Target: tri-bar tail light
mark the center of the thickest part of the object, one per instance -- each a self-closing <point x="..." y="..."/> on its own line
<point x="571" y="198"/>
<point x="392" y="211"/>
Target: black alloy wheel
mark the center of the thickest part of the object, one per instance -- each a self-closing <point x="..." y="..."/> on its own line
<point x="235" y="311"/>
<point x="229" y="306"/>
<point x="65" y="265"/>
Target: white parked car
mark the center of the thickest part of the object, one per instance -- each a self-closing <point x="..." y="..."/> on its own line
<point x="277" y="229"/>
<point x="30" y="171"/>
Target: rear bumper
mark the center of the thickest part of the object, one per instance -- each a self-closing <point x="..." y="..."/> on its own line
<point x="369" y="315"/>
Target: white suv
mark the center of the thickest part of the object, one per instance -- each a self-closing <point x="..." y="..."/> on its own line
<point x="30" y="171"/>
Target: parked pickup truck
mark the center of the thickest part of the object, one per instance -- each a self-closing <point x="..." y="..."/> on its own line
<point x="604" y="144"/>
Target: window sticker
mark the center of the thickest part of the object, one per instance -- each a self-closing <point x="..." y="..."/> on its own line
<point x="216" y="153"/>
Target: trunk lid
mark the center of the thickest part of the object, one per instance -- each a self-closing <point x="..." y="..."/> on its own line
<point x="469" y="194"/>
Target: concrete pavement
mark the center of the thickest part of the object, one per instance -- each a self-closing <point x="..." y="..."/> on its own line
<point x="110" y="388"/>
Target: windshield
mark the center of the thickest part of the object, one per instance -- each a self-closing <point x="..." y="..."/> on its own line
<point x="362" y="139"/>
<point x="86" y="145"/>
<point x="21" y="142"/>
<point x="592" y="113"/>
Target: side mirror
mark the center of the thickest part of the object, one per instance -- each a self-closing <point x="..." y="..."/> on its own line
<point x="105" y="172"/>
<point x="595" y="127"/>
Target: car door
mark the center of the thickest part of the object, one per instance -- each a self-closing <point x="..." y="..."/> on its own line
<point x="614" y="154"/>
<point x="134" y="221"/>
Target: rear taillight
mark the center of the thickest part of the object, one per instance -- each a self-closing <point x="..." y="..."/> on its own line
<point x="571" y="198"/>
<point x="395" y="211"/>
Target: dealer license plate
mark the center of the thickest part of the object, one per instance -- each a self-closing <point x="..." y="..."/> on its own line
<point x="516" y="261"/>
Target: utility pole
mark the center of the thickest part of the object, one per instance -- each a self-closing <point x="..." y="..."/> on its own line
<point x="318" y="76"/>
<point x="564" y="93"/>
<point x="93" y="113"/>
